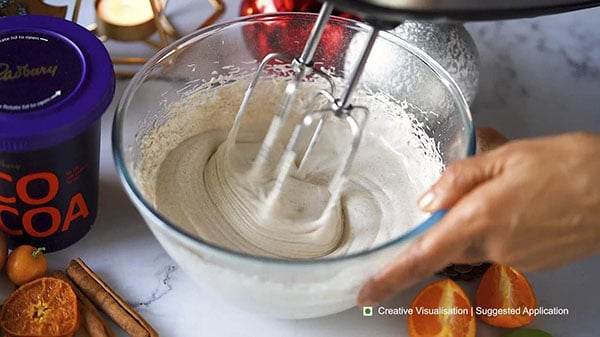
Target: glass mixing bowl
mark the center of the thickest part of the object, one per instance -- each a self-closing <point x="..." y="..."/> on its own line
<point x="269" y="286"/>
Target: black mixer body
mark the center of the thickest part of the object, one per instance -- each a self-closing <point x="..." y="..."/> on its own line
<point x="386" y="12"/>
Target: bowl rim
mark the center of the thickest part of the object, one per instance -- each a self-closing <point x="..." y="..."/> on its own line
<point x="160" y="220"/>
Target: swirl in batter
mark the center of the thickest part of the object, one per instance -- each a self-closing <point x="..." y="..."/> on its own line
<point x="201" y="182"/>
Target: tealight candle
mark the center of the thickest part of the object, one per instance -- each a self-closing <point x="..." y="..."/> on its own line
<point x="125" y="12"/>
<point x="127" y="20"/>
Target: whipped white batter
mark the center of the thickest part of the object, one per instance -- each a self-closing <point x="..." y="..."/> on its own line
<point x="202" y="183"/>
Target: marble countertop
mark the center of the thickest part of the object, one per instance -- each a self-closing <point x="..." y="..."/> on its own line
<point x="538" y="76"/>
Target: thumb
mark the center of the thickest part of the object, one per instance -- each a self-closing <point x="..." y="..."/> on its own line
<point x="460" y="178"/>
<point x="437" y="248"/>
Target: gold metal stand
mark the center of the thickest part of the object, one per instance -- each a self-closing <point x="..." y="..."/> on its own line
<point x="144" y="31"/>
<point x="219" y="7"/>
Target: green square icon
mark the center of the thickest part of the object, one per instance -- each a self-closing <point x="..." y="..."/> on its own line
<point x="367" y="311"/>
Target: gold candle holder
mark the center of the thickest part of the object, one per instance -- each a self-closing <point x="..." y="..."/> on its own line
<point x="127" y="20"/>
<point x="139" y="20"/>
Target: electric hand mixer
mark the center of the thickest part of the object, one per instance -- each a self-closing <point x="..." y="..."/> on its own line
<point x="380" y="14"/>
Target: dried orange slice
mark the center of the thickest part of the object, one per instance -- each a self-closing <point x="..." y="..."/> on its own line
<point x="504" y="297"/>
<point x="43" y="307"/>
<point x="442" y="309"/>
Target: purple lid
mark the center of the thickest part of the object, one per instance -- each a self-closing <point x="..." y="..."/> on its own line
<point x="56" y="80"/>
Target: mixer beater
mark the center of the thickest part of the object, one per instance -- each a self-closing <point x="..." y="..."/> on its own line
<point x="306" y="133"/>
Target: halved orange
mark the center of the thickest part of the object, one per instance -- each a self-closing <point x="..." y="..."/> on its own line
<point x="504" y="297"/>
<point x="43" y="307"/>
<point x="442" y="309"/>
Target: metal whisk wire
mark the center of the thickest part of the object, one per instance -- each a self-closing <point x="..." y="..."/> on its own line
<point x="302" y="66"/>
<point x="324" y="105"/>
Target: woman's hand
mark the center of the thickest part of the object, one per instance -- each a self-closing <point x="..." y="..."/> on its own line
<point x="533" y="204"/>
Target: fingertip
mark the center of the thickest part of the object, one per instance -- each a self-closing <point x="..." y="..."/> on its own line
<point x="428" y="201"/>
<point x="371" y="294"/>
<point x="364" y="300"/>
<point x="456" y="181"/>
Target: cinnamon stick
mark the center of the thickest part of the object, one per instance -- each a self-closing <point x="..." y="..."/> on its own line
<point x="106" y="299"/>
<point x="94" y="323"/>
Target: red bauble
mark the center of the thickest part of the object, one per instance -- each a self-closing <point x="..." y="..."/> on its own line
<point x="250" y="7"/>
<point x="263" y="38"/>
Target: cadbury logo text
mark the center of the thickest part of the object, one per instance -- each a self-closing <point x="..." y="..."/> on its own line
<point x="23" y="71"/>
